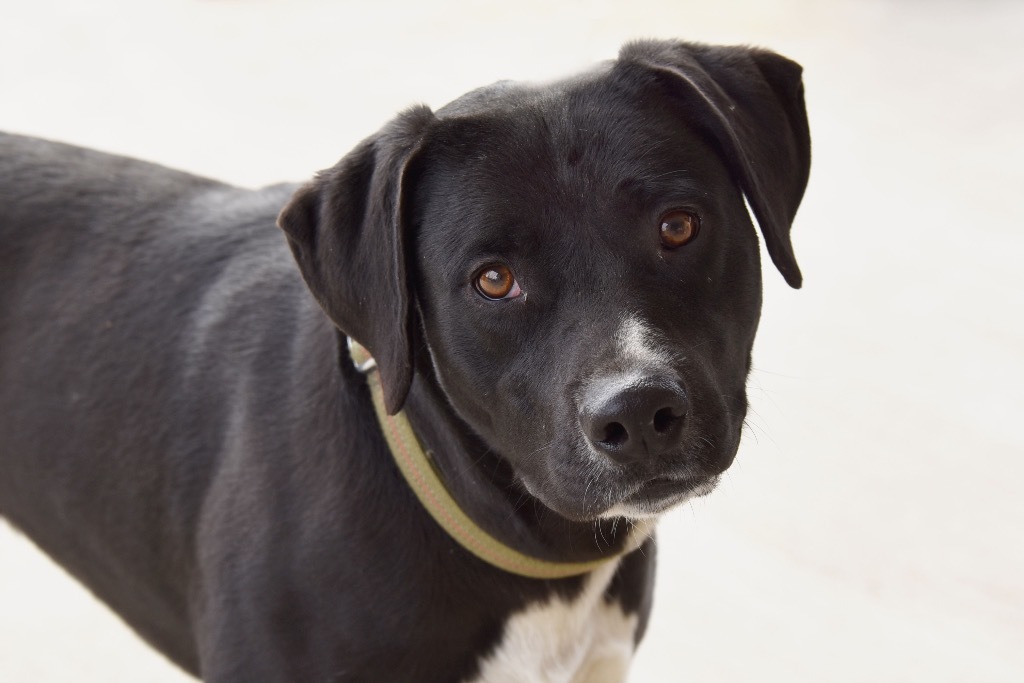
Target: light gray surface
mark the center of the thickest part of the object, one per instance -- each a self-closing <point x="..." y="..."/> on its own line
<point x="871" y="527"/>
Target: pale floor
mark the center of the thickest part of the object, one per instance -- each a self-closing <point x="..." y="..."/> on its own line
<point x="871" y="529"/>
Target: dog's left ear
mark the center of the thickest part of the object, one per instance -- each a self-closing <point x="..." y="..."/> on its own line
<point x="346" y="229"/>
<point x="752" y="103"/>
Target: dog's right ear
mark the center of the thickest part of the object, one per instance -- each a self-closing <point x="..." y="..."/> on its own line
<point x="346" y="230"/>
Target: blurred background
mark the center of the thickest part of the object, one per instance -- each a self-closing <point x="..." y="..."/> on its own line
<point x="871" y="528"/>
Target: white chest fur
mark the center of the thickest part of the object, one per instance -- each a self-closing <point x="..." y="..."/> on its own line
<point x="585" y="640"/>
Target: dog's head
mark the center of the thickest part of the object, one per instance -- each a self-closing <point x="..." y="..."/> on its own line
<point x="578" y="260"/>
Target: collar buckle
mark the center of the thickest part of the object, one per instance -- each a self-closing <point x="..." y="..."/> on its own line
<point x="361" y="358"/>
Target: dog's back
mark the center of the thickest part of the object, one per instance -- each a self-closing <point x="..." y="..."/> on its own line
<point x="113" y="277"/>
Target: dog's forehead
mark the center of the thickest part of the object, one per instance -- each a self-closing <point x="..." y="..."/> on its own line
<point x="595" y="118"/>
<point x="578" y="146"/>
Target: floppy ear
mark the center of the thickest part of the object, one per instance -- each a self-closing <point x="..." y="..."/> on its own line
<point x="345" y="228"/>
<point x="752" y="103"/>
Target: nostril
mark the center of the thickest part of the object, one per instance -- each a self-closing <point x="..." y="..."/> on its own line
<point x="614" y="434"/>
<point x="665" y="419"/>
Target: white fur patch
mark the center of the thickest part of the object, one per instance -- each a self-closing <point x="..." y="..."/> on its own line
<point x="634" y="341"/>
<point x="585" y="640"/>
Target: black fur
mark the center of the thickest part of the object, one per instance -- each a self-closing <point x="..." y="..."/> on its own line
<point x="180" y="426"/>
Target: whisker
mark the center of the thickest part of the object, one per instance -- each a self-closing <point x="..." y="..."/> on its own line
<point x="597" y="523"/>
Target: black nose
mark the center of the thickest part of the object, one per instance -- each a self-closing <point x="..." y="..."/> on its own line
<point x="642" y="419"/>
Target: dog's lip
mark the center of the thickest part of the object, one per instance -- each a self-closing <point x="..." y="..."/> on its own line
<point x="666" y="487"/>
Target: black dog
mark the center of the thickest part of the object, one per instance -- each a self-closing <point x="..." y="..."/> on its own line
<point x="560" y="285"/>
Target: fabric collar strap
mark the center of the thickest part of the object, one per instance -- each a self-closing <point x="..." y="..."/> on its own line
<point x="421" y="475"/>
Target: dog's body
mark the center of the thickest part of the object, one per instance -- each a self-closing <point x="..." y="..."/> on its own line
<point x="182" y="429"/>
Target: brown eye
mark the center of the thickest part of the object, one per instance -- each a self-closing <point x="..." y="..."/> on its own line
<point x="497" y="282"/>
<point x="678" y="228"/>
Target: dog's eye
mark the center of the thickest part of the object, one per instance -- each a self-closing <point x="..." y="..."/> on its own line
<point x="496" y="281"/>
<point x="678" y="227"/>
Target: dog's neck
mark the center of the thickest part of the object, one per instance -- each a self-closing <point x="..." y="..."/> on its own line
<point x="483" y="484"/>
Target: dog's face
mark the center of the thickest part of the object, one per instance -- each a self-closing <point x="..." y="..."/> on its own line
<point x="582" y="267"/>
<point x="589" y="287"/>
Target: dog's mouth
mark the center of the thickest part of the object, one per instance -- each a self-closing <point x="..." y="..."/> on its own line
<point x="661" y="488"/>
<point x="669" y="491"/>
<point x="660" y="494"/>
